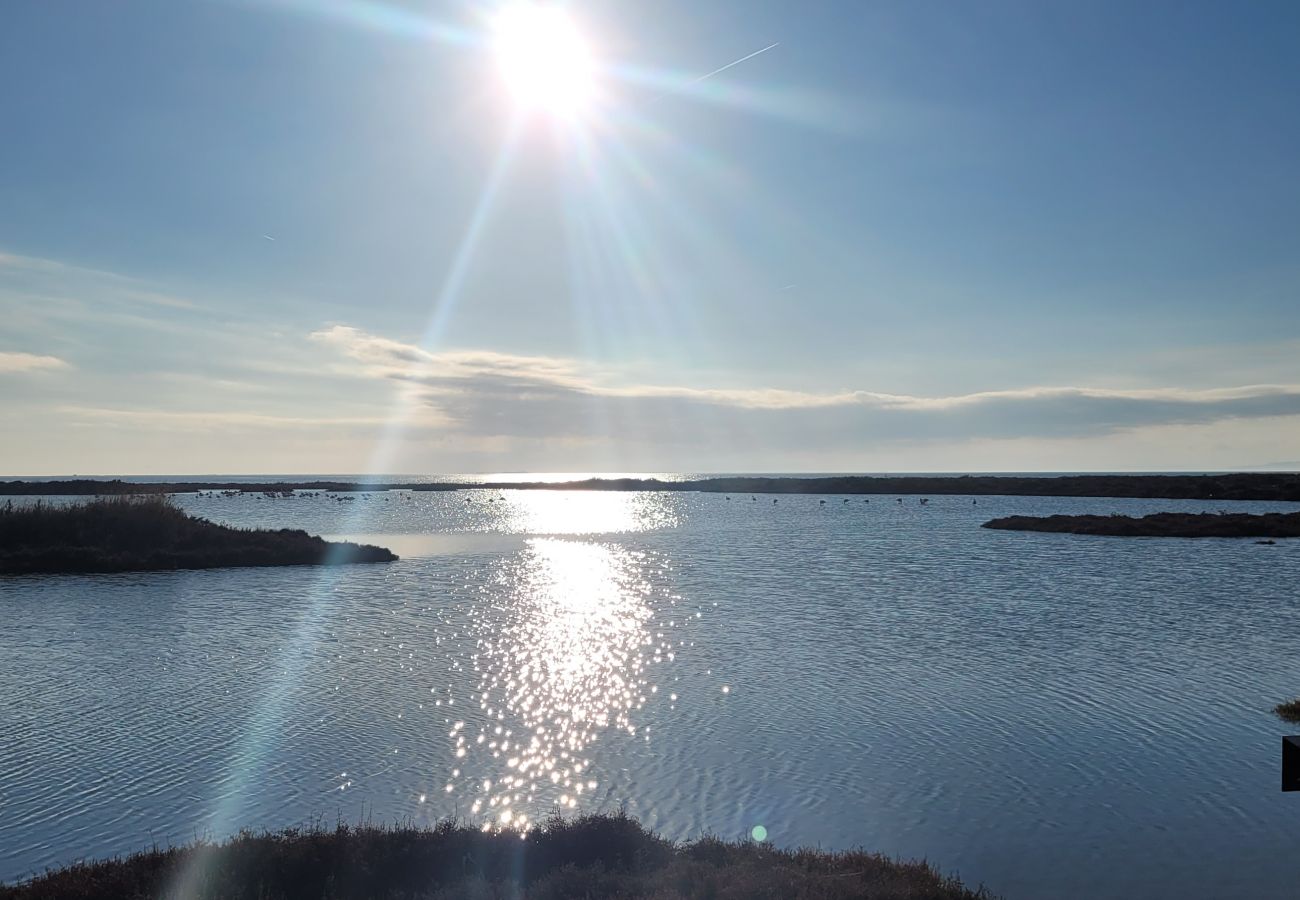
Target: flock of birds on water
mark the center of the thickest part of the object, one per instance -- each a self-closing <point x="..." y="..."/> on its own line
<point x="365" y="495"/>
<point x="924" y="501"/>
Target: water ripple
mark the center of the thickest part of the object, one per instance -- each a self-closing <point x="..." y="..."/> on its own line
<point x="1038" y="712"/>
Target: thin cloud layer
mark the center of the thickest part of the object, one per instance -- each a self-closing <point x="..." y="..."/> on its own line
<point x="209" y="421"/>
<point x="491" y="394"/>
<point x="15" y="362"/>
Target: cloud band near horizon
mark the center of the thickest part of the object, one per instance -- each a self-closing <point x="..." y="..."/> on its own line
<point x="489" y="394"/>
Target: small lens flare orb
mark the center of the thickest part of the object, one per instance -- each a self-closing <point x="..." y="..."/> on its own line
<point x="759" y="833"/>
<point x="543" y="59"/>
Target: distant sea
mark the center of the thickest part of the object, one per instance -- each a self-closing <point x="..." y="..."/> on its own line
<point x="505" y="477"/>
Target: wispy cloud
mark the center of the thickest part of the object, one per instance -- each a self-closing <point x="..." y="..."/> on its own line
<point x="43" y="279"/>
<point x="494" y="394"/>
<point x="15" y="362"/>
<point x="208" y="421"/>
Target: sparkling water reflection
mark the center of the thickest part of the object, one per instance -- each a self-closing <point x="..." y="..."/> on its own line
<point x="568" y="642"/>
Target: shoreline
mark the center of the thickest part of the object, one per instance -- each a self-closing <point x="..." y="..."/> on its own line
<point x="1239" y="486"/>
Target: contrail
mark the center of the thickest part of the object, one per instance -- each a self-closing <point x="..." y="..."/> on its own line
<point x="737" y="62"/>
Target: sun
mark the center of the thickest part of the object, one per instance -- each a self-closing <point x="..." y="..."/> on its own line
<point x="545" y="62"/>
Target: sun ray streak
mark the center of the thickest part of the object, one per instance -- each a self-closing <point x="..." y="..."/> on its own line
<point x="449" y="295"/>
<point x="611" y="246"/>
<point x="381" y="17"/>
<point x="252" y="746"/>
<point x="405" y="404"/>
<point x="263" y="726"/>
<point x="808" y="108"/>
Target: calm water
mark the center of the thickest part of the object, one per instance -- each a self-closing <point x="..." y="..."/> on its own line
<point x="1052" y="715"/>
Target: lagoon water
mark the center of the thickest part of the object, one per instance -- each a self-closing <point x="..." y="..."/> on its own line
<point x="1051" y="715"/>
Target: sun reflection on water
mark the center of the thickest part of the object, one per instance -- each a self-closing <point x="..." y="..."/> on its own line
<point x="583" y="512"/>
<point x="564" y="659"/>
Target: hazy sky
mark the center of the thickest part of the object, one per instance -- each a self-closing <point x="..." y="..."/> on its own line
<point x="292" y="236"/>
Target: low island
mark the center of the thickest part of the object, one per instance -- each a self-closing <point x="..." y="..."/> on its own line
<point x="140" y="533"/>
<point x="593" y="856"/>
<point x="1242" y="525"/>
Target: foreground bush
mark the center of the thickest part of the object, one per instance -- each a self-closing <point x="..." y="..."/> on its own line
<point x="130" y="533"/>
<point x="594" y="856"/>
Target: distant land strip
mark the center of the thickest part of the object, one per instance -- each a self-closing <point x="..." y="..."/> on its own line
<point x="1238" y="486"/>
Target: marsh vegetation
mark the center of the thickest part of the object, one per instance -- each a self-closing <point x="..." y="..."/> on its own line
<point x="1190" y="525"/>
<point x="1288" y="712"/>
<point x="146" y="532"/>
<point x="592" y="856"/>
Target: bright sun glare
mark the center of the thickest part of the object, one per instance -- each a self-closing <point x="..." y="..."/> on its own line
<point x="544" y="60"/>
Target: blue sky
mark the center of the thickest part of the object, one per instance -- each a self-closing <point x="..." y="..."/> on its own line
<point x="911" y="236"/>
